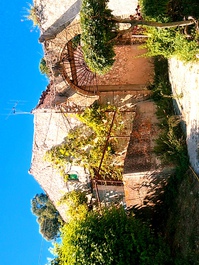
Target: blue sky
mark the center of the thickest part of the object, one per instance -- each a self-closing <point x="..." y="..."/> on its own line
<point x="21" y="81"/>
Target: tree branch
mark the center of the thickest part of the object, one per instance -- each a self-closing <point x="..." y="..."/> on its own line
<point x="153" y="23"/>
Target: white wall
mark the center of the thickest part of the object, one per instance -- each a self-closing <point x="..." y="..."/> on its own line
<point x="184" y="79"/>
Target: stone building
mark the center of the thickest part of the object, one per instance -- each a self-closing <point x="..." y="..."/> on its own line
<point x="68" y="92"/>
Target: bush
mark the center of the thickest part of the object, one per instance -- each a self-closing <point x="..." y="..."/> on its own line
<point x="96" y="35"/>
<point x="76" y="202"/>
<point x="43" y="67"/>
<point x="169" y="43"/>
<point x="85" y="143"/>
<point x="171" y="143"/>
<point x="110" y="238"/>
<point x="154" y="10"/>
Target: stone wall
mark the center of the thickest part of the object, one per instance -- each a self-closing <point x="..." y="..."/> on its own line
<point x="50" y="125"/>
<point x="184" y="80"/>
<point x="59" y="12"/>
<point x="50" y="128"/>
<point x="56" y="12"/>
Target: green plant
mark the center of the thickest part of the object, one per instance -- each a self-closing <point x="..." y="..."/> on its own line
<point x="171" y="42"/>
<point x="33" y="15"/>
<point x="100" y="29"/>
<point x="153" y="10"/>
<point x="43" y="67"/>
<point x="111" y="237"/>
<point x="171" y="144"/>
<point x="96" y="35"/>
<point x="85" y="143"/>
<point x="48" y="217"/>
<point x="76" y="202"/>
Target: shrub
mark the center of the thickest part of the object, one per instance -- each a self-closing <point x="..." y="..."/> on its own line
<point x="43" y="67"/>
<point x="33" y="15"/>
<point x="111" y="238"/>
<point x="171" y="42"/>
<point x="154" y="10"/>
<point x="76" y="202"/>
<point x="171" y="144"/>
<point x="85" y="143"/>
<point x="96" y="35"/>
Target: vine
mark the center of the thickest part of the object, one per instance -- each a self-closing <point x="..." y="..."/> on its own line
<point x="84" y="144"/>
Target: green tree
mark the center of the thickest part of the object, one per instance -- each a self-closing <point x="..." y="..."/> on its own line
<point x="100" y="28"/>
<point x="43" y="67"/>
<point x="111" y="237"/>
<point x="48" y="217"/>
<point x="76" y="202"/>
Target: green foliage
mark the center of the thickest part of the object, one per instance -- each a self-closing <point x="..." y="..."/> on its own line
<point x="97" y="31"/>
<point x="172" y="10"/>
<point x="33" y="15"/>
<point x="48" y="217"/>
<point x="76" y="41"/>
<point x="171" y="42"/>
<point x="43" y="67"/>
<point x="76" y="202"/>
<point x="85" y="143"/>
<point x="171" y="144"/>
<point x="111" y="237"/>
<point x="154" y="10"/>
<point x="178" y="9"/>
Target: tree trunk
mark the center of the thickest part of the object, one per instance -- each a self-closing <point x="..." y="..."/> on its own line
<point x="150" y="24"/>
<point x="153" y="23"/>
